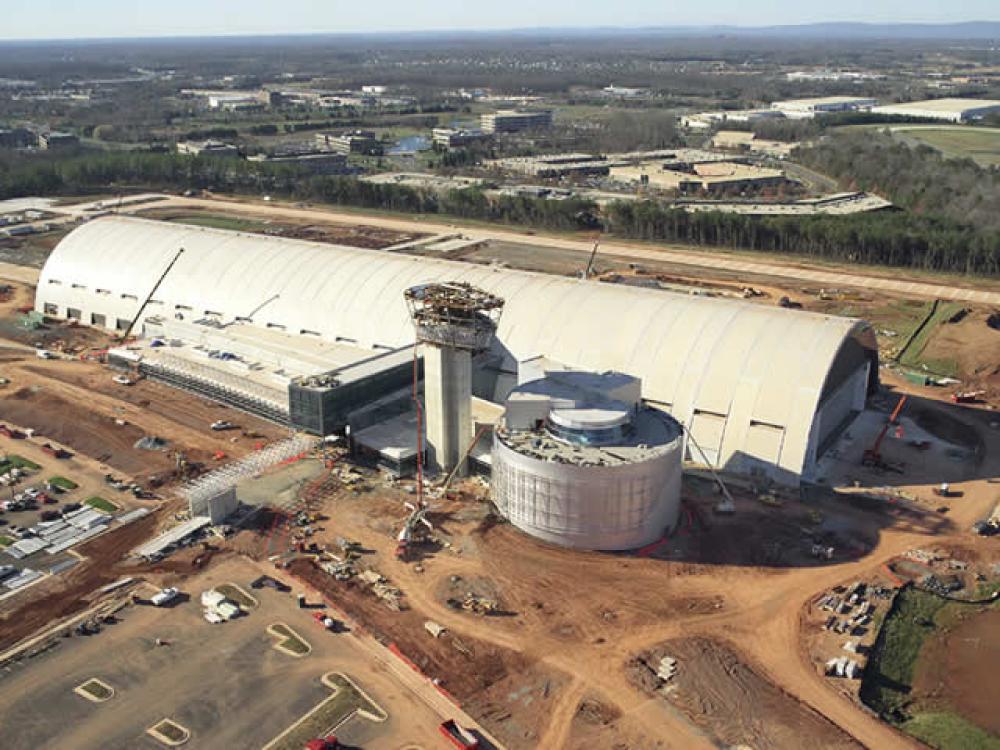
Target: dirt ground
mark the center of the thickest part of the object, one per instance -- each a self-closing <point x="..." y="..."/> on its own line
<point x="352" y="235"/>
<point x="732" y="703"/>
<point x="77" y="404"/>
<point x="958" y="670"/>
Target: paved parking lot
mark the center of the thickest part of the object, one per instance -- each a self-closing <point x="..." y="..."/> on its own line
<point x="225" y="682"/>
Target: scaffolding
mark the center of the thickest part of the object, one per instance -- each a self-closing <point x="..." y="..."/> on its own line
<point x="454" y="314"/>
<point x="199" y="491"/>
<point x="218" y="385"/>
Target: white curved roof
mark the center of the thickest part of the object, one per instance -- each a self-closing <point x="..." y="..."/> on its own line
<point x="748" y="364"/>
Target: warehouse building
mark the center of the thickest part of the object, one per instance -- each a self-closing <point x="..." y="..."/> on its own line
<point x="805" y="108"/>
<point x="761" y="389"/>
<point x="514" y="120"/>
<point x="950" y="110"/>
<point x="316" y="162"/>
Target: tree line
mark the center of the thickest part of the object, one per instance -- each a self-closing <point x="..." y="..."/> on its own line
<point x="929" y="242"/>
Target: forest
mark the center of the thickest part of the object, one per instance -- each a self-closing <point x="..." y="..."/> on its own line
<point x="920" y="180"/>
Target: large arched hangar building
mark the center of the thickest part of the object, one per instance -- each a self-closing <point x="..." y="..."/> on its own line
<point x="758" y="388"/>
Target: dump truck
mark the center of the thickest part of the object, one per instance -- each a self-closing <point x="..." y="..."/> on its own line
<point x="323" y="743"/>
<point x="459" y="737"/>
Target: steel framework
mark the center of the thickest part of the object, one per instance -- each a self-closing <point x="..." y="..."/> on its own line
<point x="454" y="314"/>
<point x="225" y="477"/>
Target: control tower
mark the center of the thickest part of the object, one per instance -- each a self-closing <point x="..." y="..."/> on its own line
<point x="453" y="321"/>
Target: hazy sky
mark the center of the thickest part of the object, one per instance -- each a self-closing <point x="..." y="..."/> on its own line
<point x="49" y="19"/>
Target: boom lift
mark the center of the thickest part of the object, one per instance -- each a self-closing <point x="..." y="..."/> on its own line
<point x="872" y="457"/>
<point x="145" y="302"/>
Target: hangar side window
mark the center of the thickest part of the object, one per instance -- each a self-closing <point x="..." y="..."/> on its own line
<point x="306" y="332"/>
<point x="50" y="309"/>
<point x="130" y="296"/>
<point x="103" y="291"/>
<point x="122" y="324"/>
<point x="74" y="313"/>
<point x="55" y="281"/>
<point x="96" y="319"/>
<point x="79" y="286"/>
<point x="277" y="326"/>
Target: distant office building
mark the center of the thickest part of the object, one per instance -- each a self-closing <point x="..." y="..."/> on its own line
<point x="374" y="90"/>
<point x="512" y="120"/>
<point x="353" y="142"/>
<point x="952" y="110"/>
<point x="17" y="138"/>
<point x="54" y="140"/>
<point x="207" y="148"/>
<point x="454" y="138"/>
<point x="623" y="92"/>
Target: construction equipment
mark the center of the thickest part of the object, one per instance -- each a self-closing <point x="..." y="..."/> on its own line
<point x="152" y="291"/>
<point x="967" y="397"/>
<point x="323" y="743"/>
<point x="593" y="256"/>
<point x="461" y="738"/>
<point x="413" y="530"/>
<point x="872" y="457"/>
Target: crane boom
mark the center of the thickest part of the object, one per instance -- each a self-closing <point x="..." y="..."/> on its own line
<point x="152" y="291"/>
<point x="590" y="263"/>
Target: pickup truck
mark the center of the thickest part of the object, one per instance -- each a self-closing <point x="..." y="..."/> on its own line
<point x="459" y="737"/>
<point x="164" y="596"/>
<point x="325" y="621"/>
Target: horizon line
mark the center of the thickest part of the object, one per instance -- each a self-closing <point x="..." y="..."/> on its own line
<point x="703" y="28"/>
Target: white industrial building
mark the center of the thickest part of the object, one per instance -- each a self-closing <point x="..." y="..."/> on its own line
<point x="580" y="461"/>
<point x="760" y="388"/>
<point x="950" y="110"/>
<point x="805" y="108"/>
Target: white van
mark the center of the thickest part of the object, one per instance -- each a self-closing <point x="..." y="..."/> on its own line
<point x="165" y="596"/>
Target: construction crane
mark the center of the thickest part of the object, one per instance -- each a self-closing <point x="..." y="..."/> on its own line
<point x="593" y="256"/>
<point x="872" y="457"/>
<point x="145" y="302"/>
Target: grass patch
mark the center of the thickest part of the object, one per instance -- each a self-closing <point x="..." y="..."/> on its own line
<point x="346" y="700"/>
<point x="946" y="730"/>
<point x="63" y="483"/>
<point x="95" y="690"/>
<point x="13" y="461"/>
<point x="99" y="503"/>
<point x="234" y="593"/>
<point x="6" y="541"/>
<point x="169" y="733"/>
<point x="288" y="640"/>
<point x="219" y="221"/>
<point x="912" y="356"/>
<point x="980" y="144"/>
<point x="889" y="673"/>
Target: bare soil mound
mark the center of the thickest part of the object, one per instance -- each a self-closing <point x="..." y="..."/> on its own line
<point x="732" y="703"/>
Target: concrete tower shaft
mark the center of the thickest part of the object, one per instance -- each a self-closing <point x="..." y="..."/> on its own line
<point x="452" y="321"/>
<point x="448" y="399"/>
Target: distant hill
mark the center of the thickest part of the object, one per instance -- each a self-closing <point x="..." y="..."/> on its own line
<point x="985" y="30"/>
